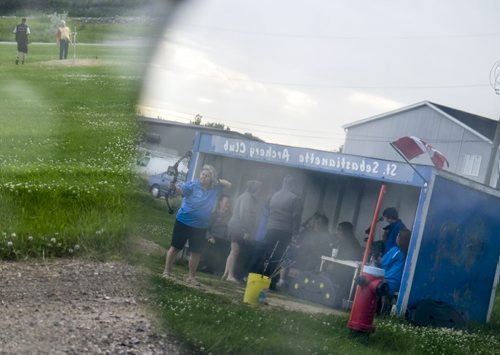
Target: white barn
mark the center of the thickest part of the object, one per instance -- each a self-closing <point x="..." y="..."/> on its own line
<point x="465" y="139"/>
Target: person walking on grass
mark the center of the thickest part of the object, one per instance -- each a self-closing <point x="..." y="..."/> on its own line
<point x="63" y="36"/>
<point x="199" y="198"/>
<point x="22" y="32"/>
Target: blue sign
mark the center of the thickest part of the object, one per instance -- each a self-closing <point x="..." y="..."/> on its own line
<point x="312" y="159"/>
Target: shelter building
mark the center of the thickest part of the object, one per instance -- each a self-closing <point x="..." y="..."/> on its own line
<point x="454" y="249"/>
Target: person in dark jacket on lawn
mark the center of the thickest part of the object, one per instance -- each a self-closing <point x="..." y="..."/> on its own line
<point x="22" y="32"/>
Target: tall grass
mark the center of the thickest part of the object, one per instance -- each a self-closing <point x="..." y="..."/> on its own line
<point x="67" y="146"/>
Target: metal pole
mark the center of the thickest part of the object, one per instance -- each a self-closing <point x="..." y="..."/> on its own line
<point x="372" y="226"/>
<point x="268" y="260"/>
<point x="74" y="44"/>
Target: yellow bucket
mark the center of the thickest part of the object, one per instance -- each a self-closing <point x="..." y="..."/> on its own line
<point x="255" y="284"/>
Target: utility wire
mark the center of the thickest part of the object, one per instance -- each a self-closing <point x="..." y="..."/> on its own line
<point x="335" y="86"/>
<point x="337" y="37"/>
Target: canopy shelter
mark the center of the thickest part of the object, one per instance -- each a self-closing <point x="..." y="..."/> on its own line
<point x="454" y="250"/>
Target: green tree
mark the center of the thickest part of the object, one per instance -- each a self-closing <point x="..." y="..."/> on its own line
<point x="197" y="120"/>
<point x="220" y="126"/>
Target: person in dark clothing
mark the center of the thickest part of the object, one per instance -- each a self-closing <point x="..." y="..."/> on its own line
<point x="285" y="212"/>
<point x="257" y="255"/>
<point x="214" y="255"/>
<point x="346" y="243"/>
<point x="305" y="253"/>
<point x="348" y="249"/>
<point x="391" y="231"/>
<point x="242" y="226"/>
<point x="313" y="243"/>
<point x="22" y="32"/>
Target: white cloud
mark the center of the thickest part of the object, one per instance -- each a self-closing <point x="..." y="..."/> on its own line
<point x="298" y="102"/>
<point x="379" y="103"/>
<point x="205" y="100"/>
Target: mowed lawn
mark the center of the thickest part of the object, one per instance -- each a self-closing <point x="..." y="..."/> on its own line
<point x="67" y="145"/>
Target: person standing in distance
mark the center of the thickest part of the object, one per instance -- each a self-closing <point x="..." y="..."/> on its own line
<point x="22" y="32"/>
<point x="199" y="198"/>
<point x="63" y="36"/>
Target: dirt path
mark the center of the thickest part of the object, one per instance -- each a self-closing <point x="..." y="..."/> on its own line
<point x="76" y="307"/>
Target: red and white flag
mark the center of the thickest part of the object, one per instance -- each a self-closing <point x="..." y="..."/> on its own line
<point x="411" y="147"/>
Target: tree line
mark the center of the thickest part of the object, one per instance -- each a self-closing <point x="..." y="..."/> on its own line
<point x="90" y="8"/>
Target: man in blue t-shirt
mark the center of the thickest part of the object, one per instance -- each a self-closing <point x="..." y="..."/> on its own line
<point x="192" y="219"/>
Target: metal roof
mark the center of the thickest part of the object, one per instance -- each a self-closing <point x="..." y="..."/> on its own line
<point x="200" y="128"/>
<point x="479" y="125"/>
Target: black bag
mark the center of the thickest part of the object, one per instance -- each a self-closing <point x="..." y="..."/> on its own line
<point x="432" y="313"/>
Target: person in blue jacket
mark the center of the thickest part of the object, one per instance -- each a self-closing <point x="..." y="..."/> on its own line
<point x="393" y="262"/>
<point x="192" y="220"/>
<point x="391" y="231"/>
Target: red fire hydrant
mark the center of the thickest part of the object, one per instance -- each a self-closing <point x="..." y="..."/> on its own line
<point x="371" y="286"/>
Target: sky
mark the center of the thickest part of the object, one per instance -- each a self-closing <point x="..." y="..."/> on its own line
<point x="294" y="72"/>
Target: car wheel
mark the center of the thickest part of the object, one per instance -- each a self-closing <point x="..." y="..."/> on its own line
<point x="155" y="191"/>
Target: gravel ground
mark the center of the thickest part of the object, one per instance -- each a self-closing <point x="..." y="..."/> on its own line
<point x="74" y="306"/>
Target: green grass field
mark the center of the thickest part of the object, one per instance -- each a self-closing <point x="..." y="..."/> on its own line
<point x="67" y="143"/>
<point x="67" y="148"/>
